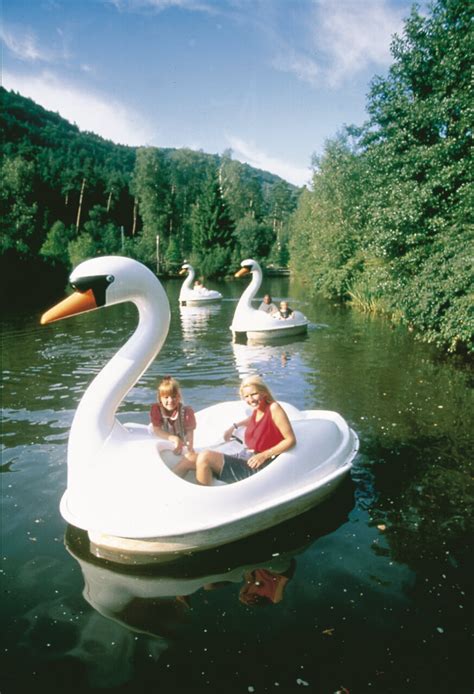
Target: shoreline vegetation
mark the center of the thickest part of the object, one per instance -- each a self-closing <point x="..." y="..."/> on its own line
<point x="386" y="227"/>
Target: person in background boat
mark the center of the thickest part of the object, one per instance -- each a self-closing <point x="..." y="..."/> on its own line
<point x="173" y="421"/>
<point x="284" y="311"/>
<point x="267" y="305"/>
<point x="268" y="433"/>
<point x="198" y="286"/>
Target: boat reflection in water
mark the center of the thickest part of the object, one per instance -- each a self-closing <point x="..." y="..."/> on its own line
<point x="251" y="358"/>
<point x="195" y="319"/>
<point x="154" y="598"/>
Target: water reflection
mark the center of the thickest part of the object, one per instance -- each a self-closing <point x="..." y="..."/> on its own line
<point x="155" y="598"/>
<point x="283" y="365"/>
<point x="195" y="319"/>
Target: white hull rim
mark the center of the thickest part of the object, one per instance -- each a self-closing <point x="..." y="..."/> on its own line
<point x="225" y="533"/>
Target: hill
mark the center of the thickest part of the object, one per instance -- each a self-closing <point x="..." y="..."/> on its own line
<point x="69" y="194"/>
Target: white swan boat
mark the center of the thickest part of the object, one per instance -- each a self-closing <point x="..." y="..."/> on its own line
<point x="255" y="325"/>
<point x="120" y="487"/>
<point x="191" y="295"/>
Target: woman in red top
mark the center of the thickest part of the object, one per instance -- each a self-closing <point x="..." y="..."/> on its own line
<point x="268" y="433"/>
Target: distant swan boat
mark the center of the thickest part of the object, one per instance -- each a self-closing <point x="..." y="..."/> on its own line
<point x="192" y="295"/>
<point x="256" y="325"/>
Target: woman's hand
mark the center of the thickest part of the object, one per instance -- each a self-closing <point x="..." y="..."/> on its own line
<point x="228" y="433"/>
<point x="257" y="460"/>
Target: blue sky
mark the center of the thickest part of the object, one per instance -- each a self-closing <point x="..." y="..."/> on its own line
<point x="269" y="79"/>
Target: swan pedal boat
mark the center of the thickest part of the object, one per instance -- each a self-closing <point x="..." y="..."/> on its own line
<point x="255" y="325"/>
<point x="120" y="484"/>
<point x="189" y="295"/>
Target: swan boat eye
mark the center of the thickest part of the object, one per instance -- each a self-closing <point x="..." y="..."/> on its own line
<point x="98" y="284"/>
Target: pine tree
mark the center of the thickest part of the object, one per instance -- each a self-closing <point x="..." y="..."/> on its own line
<point x="212" y="229"/>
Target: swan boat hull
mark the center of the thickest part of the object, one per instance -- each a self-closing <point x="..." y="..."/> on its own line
<point x="213" y="516"/>
<point x="276" y="331"/>
<point x="193" y="298"/>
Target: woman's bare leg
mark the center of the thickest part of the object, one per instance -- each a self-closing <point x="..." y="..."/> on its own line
<point x="208" y="463"/>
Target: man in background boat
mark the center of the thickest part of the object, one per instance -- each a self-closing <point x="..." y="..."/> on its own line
<point x="267" y="305"/>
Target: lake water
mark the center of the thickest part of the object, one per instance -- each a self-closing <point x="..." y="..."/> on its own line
<point x="368" y="593"/>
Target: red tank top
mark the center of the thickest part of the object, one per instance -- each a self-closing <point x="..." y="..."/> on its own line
<point x="262" y="434"/>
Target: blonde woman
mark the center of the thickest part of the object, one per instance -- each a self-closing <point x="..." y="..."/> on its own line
<point x="268" y="433"/>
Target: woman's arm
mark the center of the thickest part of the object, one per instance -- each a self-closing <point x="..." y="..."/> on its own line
<point x="236" y="425"/>
<point x="280" y="419"/>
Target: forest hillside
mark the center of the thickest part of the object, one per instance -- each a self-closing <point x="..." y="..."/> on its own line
<point x="68" y="195"/>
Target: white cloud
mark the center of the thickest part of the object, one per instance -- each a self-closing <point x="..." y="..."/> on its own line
<point x="249" y="154"/>
<point x="107" y="118"/>
<point x="160" y="5"/>
<point x="23" y="44"/>
<point x="354" y="35"/>
<point x="305" y="69"/>
<point x="343" y="38"/>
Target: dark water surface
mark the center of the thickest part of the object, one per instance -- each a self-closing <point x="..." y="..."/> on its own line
<point x="368" y="593"/>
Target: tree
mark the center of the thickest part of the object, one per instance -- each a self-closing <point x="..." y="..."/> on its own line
<point x="173" y="258"/>
<point x="55" y="246"/>
<point x="212" y="229"/>
<point x="241" y="188"/>
<point x="81" y="248"/>
<point x="326" y="227"/>
<point x="255" y="239"/>
<point x="150" y="185"/>
<point x="19" y="210"/>
<point x="390" y="219"/>
<point x="419" y="148"/>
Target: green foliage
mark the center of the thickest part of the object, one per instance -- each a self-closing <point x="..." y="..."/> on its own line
<point x="55" y="247"/>
<point x="254" y="239"/>
<point x="173" y="257"/>
<point x="389" y="221"/>
<point x="215" y="263"/>
<point x="81" y="248"/>
<point x="326" y="227"/>
<point x="65" y="192"/>
<point x="241" y="189"/>
<point x="18" y="206"/>
<point x="212" y="229"/>
<point x="151" y="189"/>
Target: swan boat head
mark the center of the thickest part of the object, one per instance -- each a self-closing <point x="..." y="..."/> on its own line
<point x="257" y="325"/>
<point x="189" y="295"/>
<point x="104" y="282"/>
